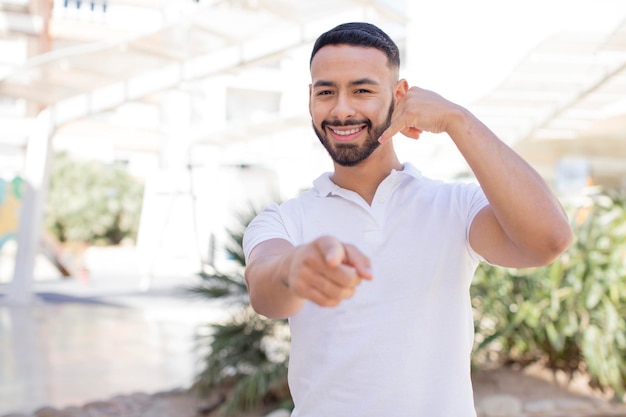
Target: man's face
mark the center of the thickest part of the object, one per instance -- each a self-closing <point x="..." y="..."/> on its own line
<point x="351" y="100"/>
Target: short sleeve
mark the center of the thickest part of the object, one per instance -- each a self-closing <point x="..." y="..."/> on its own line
<point x="266" y="225"/>
<point x="475" y="200"/>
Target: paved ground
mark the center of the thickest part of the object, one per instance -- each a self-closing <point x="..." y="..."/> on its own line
<point x="110" y="337"/>
<point x="105" y="334"/>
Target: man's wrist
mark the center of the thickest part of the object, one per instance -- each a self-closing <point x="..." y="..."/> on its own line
<point x="459" y="122"/>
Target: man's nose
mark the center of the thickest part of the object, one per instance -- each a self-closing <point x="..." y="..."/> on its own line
<point x="343" y="108"/>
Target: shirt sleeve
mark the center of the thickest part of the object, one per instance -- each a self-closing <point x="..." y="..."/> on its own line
<point x="474" y="202"/>
<point x="266" y="225"/>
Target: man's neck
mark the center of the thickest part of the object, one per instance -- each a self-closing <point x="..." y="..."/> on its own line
<point x="365" y="177"/>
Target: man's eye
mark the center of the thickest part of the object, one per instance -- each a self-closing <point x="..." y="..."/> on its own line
<point x="324" y="92"/>
<point x="363" y="91"/>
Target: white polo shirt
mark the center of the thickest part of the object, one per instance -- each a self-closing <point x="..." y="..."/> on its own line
<point x="401" y="346"/>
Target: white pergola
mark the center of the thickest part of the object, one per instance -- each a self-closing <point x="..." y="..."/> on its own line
<point x="567" y="97"/>
<point x="197" y="40"/>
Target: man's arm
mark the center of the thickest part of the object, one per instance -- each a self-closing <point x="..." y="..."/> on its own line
<point x="524" y="224"/>
<point x="281" y="277"/>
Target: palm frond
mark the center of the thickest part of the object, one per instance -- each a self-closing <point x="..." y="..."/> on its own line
<point x="220" y="286"/>
<point x="268" y="382"/>
<point x="249" y="353"/>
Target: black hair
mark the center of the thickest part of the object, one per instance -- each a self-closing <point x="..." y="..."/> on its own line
<point x="359" y="34"/>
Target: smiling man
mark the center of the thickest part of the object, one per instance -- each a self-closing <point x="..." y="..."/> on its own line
<point x="373" y="264"/>
<point x="343" y="148"/>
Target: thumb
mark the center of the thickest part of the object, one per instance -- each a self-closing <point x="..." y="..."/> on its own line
<point x="333" y="251"/>
<point x="335" y="255"/>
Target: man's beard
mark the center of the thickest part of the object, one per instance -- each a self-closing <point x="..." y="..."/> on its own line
<point x="351" y="154"/>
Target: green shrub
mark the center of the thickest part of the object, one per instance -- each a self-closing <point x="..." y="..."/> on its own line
<point x="89" y="201"/>
<point x="248" y="354"/>
<point x="570" y="315"/>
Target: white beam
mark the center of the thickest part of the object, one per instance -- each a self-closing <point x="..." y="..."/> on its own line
<point x="21" y="22"/>
<point x="36" y="176"/>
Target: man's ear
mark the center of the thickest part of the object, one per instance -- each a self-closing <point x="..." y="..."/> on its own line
<point x="402" y="86"/>
<point x="310" y="92"/>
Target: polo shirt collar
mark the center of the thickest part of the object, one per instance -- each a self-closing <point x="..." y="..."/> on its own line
<point x="325" y="186"/>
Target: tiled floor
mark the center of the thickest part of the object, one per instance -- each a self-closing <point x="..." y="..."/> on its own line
<point x="88" y="340"/>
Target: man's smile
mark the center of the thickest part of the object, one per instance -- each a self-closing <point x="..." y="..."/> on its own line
<point x="346" y="133"/>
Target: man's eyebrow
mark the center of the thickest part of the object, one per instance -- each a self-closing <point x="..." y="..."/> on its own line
<point x="360" y="81"/>
<point x="363" y="81"/>
<point x="324" y="83"/>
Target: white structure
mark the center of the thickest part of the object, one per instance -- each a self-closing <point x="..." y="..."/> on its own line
<point x="204" y="100"/>
<point x="207" y="101"/>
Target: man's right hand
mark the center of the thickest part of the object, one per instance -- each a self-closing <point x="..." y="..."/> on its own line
<point x="281" y="277"/>
<point x="327" y="271"/>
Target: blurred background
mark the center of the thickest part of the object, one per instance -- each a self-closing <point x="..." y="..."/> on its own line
<point x="134" y="134"/>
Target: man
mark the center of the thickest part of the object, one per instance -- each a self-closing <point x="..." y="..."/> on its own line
<point x="372" y="266"/>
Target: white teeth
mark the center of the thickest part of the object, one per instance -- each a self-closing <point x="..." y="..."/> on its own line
<point x="346" y="132"/>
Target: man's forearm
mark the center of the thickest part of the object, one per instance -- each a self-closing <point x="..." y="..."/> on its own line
<point x="525" y="207"/>
<point x="266" y="277"/>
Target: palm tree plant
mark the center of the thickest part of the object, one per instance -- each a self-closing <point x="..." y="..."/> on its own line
<point x="248" y="354"/>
